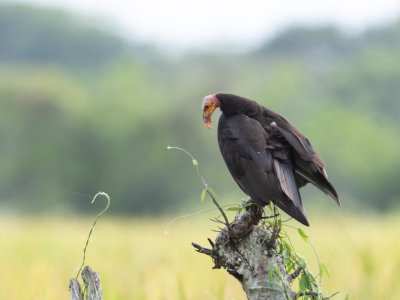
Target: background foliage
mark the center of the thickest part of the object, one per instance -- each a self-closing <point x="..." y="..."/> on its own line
<point x="83" y="110"/>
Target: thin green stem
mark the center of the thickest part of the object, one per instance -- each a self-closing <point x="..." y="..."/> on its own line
<point x="209" y="190"/>
<point x="319" y="262"/>
<point x="194" y="161"/>
<point x="91" y="228"/>
<point x="191" y="215"/>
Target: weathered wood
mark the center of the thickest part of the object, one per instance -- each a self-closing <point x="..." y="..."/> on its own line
<point x="249" y="253"/>
<point x="91" y="280"/>
<point x="75" y="289"/>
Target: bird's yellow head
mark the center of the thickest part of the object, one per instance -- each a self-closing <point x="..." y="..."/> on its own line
<point x="210" y="103"/>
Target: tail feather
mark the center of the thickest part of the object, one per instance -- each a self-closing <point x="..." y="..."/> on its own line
<point x="322" y="183"/>
<point x="290" y="201"/>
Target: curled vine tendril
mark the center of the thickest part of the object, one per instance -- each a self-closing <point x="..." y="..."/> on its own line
<point x="91" y="228"/>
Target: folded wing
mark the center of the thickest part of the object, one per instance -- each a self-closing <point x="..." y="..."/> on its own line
<point x="245" y="146"/>
<point x="308" y="165"/>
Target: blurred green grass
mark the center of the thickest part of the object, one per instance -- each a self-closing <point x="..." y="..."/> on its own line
<point x="136" y="260"/>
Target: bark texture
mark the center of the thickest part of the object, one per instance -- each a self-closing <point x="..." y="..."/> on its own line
<point x="91" y="280"/>
<point x="249" y="253"/>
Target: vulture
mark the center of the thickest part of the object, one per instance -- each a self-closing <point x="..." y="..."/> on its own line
<point x="268" y="157"/>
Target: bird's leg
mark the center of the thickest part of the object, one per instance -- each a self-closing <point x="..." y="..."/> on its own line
<point x="253" y="210"/>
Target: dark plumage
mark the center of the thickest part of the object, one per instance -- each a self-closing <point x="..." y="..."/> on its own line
<point x="268" y="157"/>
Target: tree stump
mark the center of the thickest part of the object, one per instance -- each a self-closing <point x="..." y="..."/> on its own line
<point x="249" y="252"/>
<point x="91" y="280"/>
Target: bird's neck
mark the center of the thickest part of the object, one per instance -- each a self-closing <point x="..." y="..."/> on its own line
<point x="240" y="106"/>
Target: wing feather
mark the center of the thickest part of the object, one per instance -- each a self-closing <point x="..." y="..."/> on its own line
<point x="294" y="207"/>
<point x="307" y="163"/>
<point x="243" y="144"/>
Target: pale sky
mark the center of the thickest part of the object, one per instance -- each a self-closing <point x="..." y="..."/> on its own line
<point x="185" y="24"/>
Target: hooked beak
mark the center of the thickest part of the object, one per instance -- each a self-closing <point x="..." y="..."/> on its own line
<point x="210" y="103"/>
<point x="207" y="121"/>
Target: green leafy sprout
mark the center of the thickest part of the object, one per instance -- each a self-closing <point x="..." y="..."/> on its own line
<point x="310" y="288"/>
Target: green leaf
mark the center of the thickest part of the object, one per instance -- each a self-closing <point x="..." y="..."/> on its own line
<point x="203" y="195"/>
<point x="287" y="246"/>
<point x="195" y="163"/>
<point x="304" y="283"/>
<point x="303" y="235"/>
<point x="286" y="256"/>
<point x="280" y="223"/>
<point x="289" y="267"/>
<point x="281" y="248"/>
<point x="324" y="269"/>
<point x="211" y="191"/>
<point x="278" y="270"/>
<point x="311" y="279"/>
<point x="234" y="208"/>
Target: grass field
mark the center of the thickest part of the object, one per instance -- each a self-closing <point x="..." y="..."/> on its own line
<point x="136" y="260"/>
